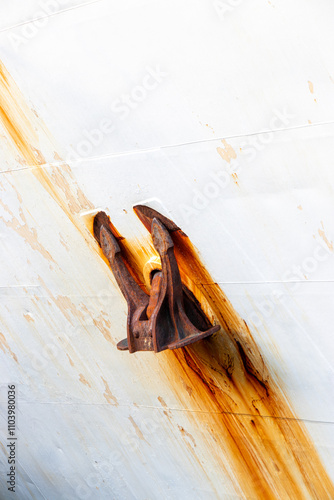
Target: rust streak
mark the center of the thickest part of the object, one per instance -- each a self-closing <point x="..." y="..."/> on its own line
<point x="83" y="380"/>
<point x="4" y="346"/>
<point x="108" y="394"/>
<point x="137" y="429"/>
<point x="184" y="433"/>
<point x="70" y="360"/>
<point x="18" y="119"/>
<point x="322" y="234"/>
<point x="228" y="380"/>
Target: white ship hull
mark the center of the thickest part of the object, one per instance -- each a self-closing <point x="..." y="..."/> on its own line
<point x="220" y="116"/>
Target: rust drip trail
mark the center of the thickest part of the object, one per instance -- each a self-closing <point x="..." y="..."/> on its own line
<point x="21" y="125"/>
<point x="252" y="425"/>
<point x="274" y="457"/>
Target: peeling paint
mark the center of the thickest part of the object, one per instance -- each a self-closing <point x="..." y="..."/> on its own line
<point x="108" y="394"/>
<point x="226" y="152"/>
<point x="83" y="380"/>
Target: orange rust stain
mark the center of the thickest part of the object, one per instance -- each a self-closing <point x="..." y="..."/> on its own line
<point x="164" y="405"/>
<point x="4" y="346"/>
<point x="252" y="424"/>
<point x="108" y="394"/>
<point x="64" y="242"/>
<point x="136" y="254"/>
<point x="29" y="234"/>
<point x="14" y="110"/>
<point x="137" y="429"/>
<point x="70" y="360"/>
<point x="187" y="434"/>
<point x="187" y="387"/>
<point x="209" y="126"/>
<point x="70" y="311"/>
<point x="311" y="87"/>
<point x="83" y="380"/>
<point x="235" y="178"/>
<point x="20" y="123"/>
<point x="322" y="234"/>
<point x="104" y="325"/>
<point x="230" y="376"/>
<point x="29" y="318"/>
<point x="300" y="207"/>
<point x="64" y="304"/>
<point x="162" y="401"/>
<point x="3" y="449"/>
<point x="227" y="152"/>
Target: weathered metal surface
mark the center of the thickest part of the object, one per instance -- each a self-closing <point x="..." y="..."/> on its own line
<point x="247" y="413"/>
<point x="167" y="318"/>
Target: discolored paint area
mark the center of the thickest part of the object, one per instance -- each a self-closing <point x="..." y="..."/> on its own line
<point x="250" y="427"/>
<point x="229" y="380"/>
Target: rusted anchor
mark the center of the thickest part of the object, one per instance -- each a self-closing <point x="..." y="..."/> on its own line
<point x="170" y="317"/>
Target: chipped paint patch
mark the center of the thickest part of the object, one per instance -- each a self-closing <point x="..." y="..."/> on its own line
<point x="104" y="326"/>
<point x="29" y="317"/>
<point x="83" y="380"/>
<point x="108" y="394"/>
<point x="226" y="152"/>
<point x="137" y="429"/>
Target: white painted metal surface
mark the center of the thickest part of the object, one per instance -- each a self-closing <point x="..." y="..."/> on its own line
<point x="220" y="115"/>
